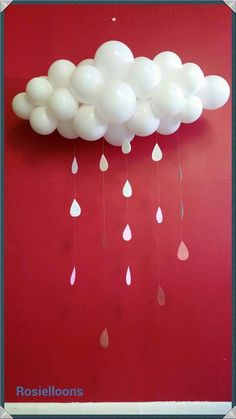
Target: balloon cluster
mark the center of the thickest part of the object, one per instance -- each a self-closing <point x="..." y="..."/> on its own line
<point x="117" y="96"/>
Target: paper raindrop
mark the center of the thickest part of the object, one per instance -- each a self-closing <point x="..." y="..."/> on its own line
<point x="161" y="296"/>
<point x="128" y="277"/>
<point x="181" y="209"/>
<point x="182" y="253"/>
<point x="103" y="164"/>
<point x="156" y="153"/>
<point x="75" y="209"/>
<point x="73" y="276"/>
<point x="104" y="339"/>
<point x="74" y="166"/>
<point x="127" y="190"/>
<point x="126" y="147"/>
<point x="159" y="215"/>
<point x="127" y="235"/>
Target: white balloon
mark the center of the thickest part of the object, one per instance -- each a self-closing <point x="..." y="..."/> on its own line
<point x="38" y="90"/>
<point x="85" y="83"/>
<point x="120" y="96"/>
<point x="43" y="121"/>
<point x="88" y="124"/>
<point x="190" y="78"/>
<point x="87" y="61"/>
<point x="143" y="122"/>
<point x="117" y="102"/>
<point x="191" y="110"/>
<point x="62" y="104"/>
<point x="59" y="72"/>
<point x="113" y="59"/>
<point x="117" y="133"/>
<point x="168" y="125"/>
<point x="67" y="130"/>
<point x="214" y="92"/>
<point x="169" y="63"/>
<point x="143" y="76"/>
<point x="167" y="99"/>
<point x="22" y="106"/>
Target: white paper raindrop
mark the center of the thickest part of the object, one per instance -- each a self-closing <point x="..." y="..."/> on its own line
<point x="126" y="147"/>
<point x="156" y="153"/>
<point x="73" y="277"/>
<point x="159" y="215"/>
<point x="103" y="164"/>
<point x="75" y="209"/>
<point x="127" y="190"/>
<point x="74" y="166"/>
<point x="128" y="276"/>
<point x="127" y="235"/>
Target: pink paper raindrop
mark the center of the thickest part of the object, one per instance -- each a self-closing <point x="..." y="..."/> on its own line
<point x="161" y="299"/>
<point x="104" y="339"/>
<point x="183" y="253"/>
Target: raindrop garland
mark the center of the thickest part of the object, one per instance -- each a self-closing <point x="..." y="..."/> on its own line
<point x="156" y="157"/>
<point x="127" y="193"/>
<point x="75" y="212"/>
<point x="182" y="253"/>
<point x="103" y="167"/>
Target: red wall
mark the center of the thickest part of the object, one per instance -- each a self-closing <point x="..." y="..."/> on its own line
<point x="181" y="351"/>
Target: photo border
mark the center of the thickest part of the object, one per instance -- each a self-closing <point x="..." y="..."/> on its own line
<point x="121" y="416"/>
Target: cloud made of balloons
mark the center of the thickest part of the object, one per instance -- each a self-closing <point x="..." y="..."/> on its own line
<point x="117" y="96"/>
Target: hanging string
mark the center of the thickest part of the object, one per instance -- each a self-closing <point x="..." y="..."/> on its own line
<point x="182" y="253"/>
<point x="127" y="183"/>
